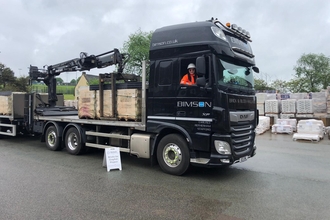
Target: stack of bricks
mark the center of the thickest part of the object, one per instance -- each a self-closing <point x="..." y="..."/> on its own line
<point x="319" y="104"/>
<point x="328" y="100"/>
<point x="272" y="109"/>
<point x="288" y="107"/>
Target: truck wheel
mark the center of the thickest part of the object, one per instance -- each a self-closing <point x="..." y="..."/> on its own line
<point x="173" y="154"/>
<point x="73" y="142"/>
<point x="53" y="141"/>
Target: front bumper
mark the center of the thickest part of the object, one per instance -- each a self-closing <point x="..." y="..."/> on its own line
<point x="221" y="160"/>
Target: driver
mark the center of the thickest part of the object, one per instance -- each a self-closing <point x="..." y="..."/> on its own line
<point x="190" y="77"/>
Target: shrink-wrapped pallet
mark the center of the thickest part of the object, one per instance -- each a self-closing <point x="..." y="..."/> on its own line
<point x="292" y="122"/>
<point x="319" y="95"/>
<point x="261" y="97"/>
<point x="288" y="106"/>
<point x="86" y="104"/>
<point x="305" y="106"/>
<point x="319" y="105"/>
<point x="261" y="108"/>
<point x="264" y="125"/>
<point x="272" y="106"/>
<point x="299" y="96"/>
<point x="274" y="117"/>
<point x="78" y="89"/>
<point x="129" y="104"/>
<point x="107" y="104"/>
<point x="328" y="106"/>
<point x="276" y="128"/>
<point x="6" y="105"/>
<point x="71" y="103"/>
<point x="328" y="93"/>
<point x="310" y="129"/>
<point x="271" y="96"/>
<point x="12" y="103"/>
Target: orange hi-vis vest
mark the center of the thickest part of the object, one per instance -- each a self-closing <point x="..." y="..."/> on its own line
<point x="185" y="80"/>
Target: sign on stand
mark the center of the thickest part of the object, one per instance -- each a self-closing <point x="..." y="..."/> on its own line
<point x="112" y="159"/>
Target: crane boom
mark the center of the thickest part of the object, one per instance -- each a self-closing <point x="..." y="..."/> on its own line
<point x="85" y="62"/>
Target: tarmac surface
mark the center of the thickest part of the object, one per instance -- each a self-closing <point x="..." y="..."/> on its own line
<point x="286" y="180"/>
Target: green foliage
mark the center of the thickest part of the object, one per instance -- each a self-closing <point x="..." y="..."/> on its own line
<point x="41" y="88"/>
<point x="59" y="81"/>
<point x="94" y="82"/>
<point x="73" y="82"/>
<point x="280" y="86"/>
<point x="312" y="73"/>
<point x="6" y="77"/>
<point x="21" y="84"/>
<point x="297" y="85"/>
<point x="261" y="85"/>
<point x="68" y="97"/>
<point x="137" y="47"/>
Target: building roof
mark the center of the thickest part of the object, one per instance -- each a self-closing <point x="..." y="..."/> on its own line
<point x="90" y="77"/>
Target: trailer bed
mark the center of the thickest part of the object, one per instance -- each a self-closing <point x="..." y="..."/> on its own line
<point x="108" y="122"/>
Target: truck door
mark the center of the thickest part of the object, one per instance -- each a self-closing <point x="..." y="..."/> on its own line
<point x="162" y="91"/>
<point x="194" y="110"/>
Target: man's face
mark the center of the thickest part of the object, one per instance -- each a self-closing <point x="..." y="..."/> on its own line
<point x="192" y="70"/>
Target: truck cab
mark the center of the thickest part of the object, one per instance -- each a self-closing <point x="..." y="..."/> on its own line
<point x="217" y="117"/>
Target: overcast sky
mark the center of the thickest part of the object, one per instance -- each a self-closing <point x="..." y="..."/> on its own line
<point x="45" y="32"/>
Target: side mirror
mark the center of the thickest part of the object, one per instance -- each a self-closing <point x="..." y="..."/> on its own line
<point x="200" y="81"/>
<point x="200" y="66"/>
<point x="255" y="69"/>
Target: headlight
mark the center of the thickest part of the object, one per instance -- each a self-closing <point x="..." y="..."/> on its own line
<point x="219" y="33"/>
<point x="222" y="147"/>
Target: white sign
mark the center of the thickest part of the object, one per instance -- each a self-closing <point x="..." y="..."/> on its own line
<point x="112" y="158"/>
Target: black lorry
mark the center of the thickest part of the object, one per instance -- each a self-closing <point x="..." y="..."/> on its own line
<point x="211" y="123"/>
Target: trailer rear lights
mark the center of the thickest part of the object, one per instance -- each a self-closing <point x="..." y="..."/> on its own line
<point x="222" y="147"/>
<point x="224" y="160"/>
<point x="218" y="33"/>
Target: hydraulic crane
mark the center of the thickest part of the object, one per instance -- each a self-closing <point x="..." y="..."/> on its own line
<point x="85" y="62"/>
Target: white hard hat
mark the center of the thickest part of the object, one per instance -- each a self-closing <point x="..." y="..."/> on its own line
<point x="191" y="65"/>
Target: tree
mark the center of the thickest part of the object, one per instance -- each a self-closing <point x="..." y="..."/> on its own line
<point x="261" y="85"/>
<point x="312" y="72"/>
<point x="6" y="76"/>
<point x="59" y="81"/>
<point x="280" y="86"/>
<point x="297" y="85"/>
<point x="20" y="84"/>
<point x="73" y="82"/>
<point x="137" y="47"/>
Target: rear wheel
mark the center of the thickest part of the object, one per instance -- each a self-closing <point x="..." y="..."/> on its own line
<point x="73" y="142"/>
<point x="53" y="141"/>
<point x="173" y="154"/>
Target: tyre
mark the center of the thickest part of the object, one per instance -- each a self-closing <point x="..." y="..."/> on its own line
<point x="53" y="141"/>
<point x="173" y="154"/>
<point x="73" y="142"/>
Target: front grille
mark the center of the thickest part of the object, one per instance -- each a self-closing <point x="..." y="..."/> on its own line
<point x="242" y="138"/>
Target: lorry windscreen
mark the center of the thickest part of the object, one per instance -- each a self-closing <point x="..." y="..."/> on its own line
<point x="233" y="73"/>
